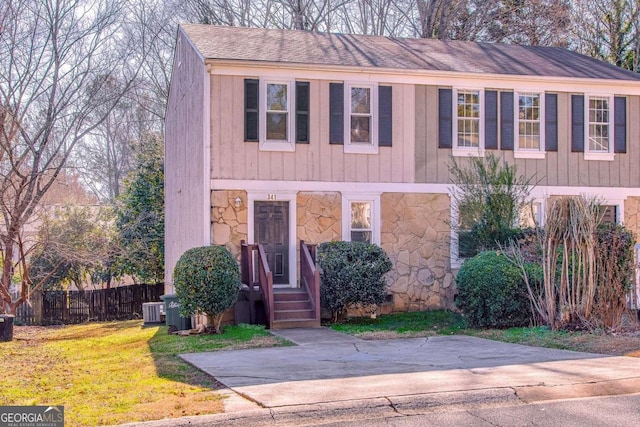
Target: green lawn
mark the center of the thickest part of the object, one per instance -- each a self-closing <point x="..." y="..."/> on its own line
<point x="111" y="373"/>
<point x="441" y="322"/>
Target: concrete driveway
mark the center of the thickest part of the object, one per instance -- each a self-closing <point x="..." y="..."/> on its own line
<point x="330" y="368"/>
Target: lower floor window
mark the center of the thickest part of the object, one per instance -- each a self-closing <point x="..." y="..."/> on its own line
<point x="361" y="222"/>
<point x="361" y="218"/>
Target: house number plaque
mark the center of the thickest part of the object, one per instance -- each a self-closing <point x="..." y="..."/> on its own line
<point x="272" y="197"/>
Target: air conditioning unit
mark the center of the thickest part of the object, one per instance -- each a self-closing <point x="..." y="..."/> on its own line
<point x="152" y="313"/>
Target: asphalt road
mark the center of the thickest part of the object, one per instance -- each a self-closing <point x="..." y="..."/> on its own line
<point x="618" y="411"/>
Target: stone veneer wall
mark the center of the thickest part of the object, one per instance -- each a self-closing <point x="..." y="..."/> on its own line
<point x="632" y="215"/>
<point x="319" y="217"/>
<point x="229" y="224"/>
<point x="415" y="234"/>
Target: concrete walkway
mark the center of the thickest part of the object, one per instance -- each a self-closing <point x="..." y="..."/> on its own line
<point x="328" y="366"/>
<point x="337" y="378"/>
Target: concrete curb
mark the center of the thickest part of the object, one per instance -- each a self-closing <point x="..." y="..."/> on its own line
<point x="349" y="411"/>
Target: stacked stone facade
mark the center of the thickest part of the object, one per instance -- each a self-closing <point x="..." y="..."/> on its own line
<point x="415" y="234"/>
<point x="632" y="215"/>
<point x="229" y="223"/>
<point x="319" y="217"/>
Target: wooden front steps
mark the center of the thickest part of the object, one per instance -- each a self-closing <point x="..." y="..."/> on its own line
<point x="293" y="309"/>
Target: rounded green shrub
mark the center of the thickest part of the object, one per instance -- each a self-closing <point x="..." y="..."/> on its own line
<point x="491" y="292"/>
<point x="351" y="275"/>
<point x="207" y="279"/>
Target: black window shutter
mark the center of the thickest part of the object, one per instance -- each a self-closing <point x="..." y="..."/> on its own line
<point x="577" y="123"/>
<point x="491" y="120"/>
<point x="620" y="123"/>
<point x="445" y="108"/>
<point x="385" y="119"/>
<point x="551" y="121"/>
<point x="251" y="110"/>
<point x="506" y="120"/>
<point x="336" y="113"/>
<point x="302" y="112"/>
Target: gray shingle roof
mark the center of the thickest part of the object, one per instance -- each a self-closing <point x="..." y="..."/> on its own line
<point x="300" y="47"/>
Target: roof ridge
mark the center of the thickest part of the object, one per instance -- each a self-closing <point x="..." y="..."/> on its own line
<point x="402" y="53"/>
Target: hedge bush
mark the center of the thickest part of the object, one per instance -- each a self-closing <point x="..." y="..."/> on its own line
<point x="491" y="292"/>
<point x="615" y="267"/>
<point x="207" y="279"/>
<point x="351" y="275"/>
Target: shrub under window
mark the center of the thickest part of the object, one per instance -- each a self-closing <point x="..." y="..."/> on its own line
<point x="351" y="275"/>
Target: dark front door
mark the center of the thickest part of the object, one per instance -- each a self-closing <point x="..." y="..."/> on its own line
<point x="272" y="231"/>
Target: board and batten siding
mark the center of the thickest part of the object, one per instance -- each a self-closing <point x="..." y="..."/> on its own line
<point x="185" y="222"/>
<point x="561" y="168"/>
<point x="233" y="158"/>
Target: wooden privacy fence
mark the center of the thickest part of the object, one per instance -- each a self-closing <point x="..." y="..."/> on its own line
<point x="69" y="307"/>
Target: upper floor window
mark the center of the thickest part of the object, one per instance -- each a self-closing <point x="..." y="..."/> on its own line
<point x="599" y="124"/>
<point x="276" y="128"/>
<point x="361" y="121"/>
<point x="468" y="122"/>
<point x="468" y="119"/>
<point x="529" y="125"/>
<point x="360" y="116"/>
<point x="276" y="113"/>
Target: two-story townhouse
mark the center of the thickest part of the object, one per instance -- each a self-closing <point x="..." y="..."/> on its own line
<point x="278" y="136"/>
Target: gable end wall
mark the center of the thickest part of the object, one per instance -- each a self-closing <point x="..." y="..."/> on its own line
<point x="186" y="199"/>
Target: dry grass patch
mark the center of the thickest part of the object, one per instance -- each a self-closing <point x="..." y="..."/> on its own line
<point x="112" y="373"/>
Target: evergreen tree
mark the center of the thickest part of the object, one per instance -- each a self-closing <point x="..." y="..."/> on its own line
<point x="140" y="215"/>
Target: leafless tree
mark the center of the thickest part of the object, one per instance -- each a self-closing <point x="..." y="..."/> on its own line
<point x="533" y="22"/>
<point x="105" y="155"/>
<point x="608" y="30"/>
<point x="55" y="57"/>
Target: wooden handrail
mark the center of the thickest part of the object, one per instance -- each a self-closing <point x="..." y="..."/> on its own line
<point x="264" y="279"/>
<point x="310" y="276"/>
<point x="266" y="284"/>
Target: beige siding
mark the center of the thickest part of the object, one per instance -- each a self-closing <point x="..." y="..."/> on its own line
<point x="232" y="158"/>
<point x="562" y="168"/>
<point x="185" y="193"/>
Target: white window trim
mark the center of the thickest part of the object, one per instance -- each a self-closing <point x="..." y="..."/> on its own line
<point x="467" y="151"/>
<point x="542" y="206"/>
<point x="524" y="153"/>
<point x="599" y="155"/>
<point x="359" y="148"/>
<point x="374" y="199"/>
<point x="274" y="145"/>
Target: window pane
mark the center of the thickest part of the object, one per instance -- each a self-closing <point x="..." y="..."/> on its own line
<point x="608" y="214"/>
<point x="468" y="133"/>
<point x="361" y="236"/>
<point x="529" y="137"/>
<point x="277" y="126"/>
<point x="360" y="126"/>
<point x="360" y="100"/>
<point x="599" y="124"/>
<point x="530" y="215"/>
<point x="276" y="97"/>
<point x="529" y="121"/>
<point x="361" y="215"/>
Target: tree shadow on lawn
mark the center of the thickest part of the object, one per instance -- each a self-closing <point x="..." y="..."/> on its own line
<point x="166" y="349"/>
